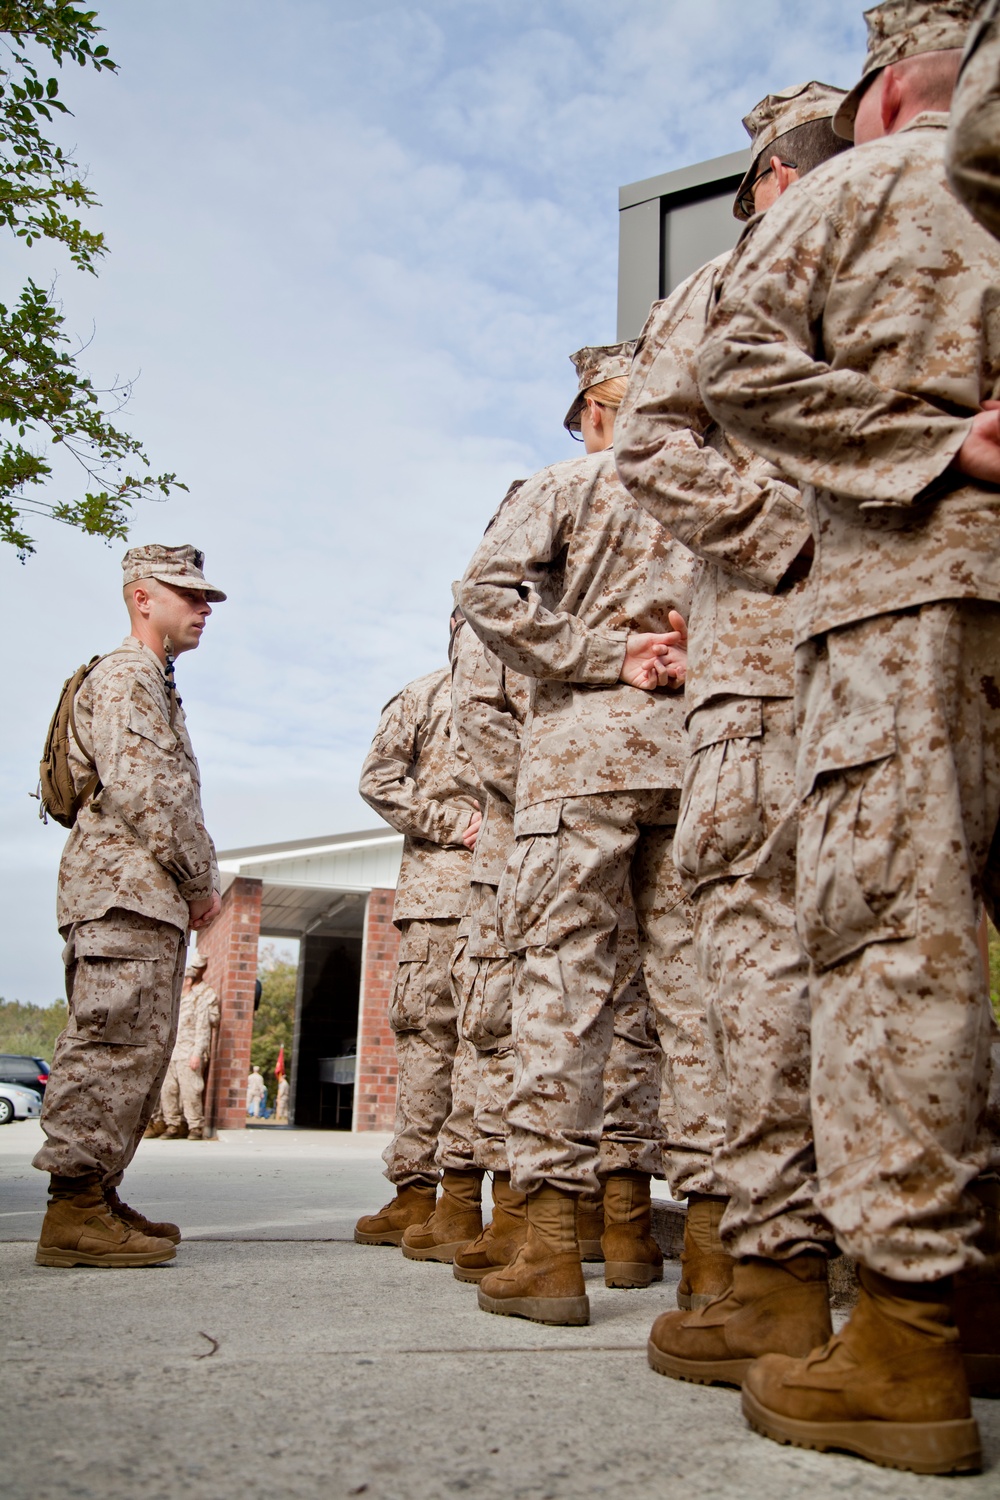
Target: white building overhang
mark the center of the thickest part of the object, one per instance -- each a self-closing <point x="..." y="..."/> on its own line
<point x="318" y="884"/>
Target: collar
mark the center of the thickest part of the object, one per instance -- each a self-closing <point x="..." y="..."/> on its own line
<point x="928" y="119"/>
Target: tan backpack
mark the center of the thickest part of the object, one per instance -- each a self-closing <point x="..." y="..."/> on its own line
<point x="56" y="794"/>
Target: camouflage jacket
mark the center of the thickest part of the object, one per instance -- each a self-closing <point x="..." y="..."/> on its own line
<point x="856" y="335"/>
<point x="720" y="499"/>
<point x="413" y="777"/>
<point x="974" y="133"/>
<point x="199" y="1012"/>
<point x="141" y="843"/>
<point x="600" y="567"/>
<point x="490" y="704"/>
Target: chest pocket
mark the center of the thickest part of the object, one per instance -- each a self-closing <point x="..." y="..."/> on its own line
<point x="151" y="725"/>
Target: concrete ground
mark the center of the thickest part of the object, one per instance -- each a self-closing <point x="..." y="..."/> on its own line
<point x="275" y="1358"/>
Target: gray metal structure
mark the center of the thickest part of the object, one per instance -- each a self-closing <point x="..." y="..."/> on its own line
<point x="670" y="225"/>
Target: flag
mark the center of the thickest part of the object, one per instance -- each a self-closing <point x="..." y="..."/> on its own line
<point x="279" y="1067"/>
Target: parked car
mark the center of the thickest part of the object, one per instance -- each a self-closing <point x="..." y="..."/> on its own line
<point x="18" y="1104"/>
<point x="27" y="1072"/>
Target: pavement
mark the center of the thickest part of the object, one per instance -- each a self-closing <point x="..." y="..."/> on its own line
<point x="275" y="1358"/>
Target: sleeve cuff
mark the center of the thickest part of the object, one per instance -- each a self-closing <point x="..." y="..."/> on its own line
<point x="605" y="657"/>
<point x="198" y="888"/>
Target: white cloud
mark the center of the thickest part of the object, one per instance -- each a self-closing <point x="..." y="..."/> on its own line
<point x="350" y="254"/>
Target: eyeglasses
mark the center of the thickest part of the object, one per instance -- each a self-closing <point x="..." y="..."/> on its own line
<point x="745" y="200"/>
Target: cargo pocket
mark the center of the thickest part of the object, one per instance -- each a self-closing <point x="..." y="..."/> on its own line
<point x="526" y="887"/>
<point x="855" y="859"/>
<point x="408" y="1006"/>
<point x="722" y="827"/>
<point x="114" y="984"/>
<point x="487" y="1014"/>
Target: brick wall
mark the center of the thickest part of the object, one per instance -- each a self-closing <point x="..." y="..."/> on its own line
<point x="230" y="945"/>
<point x="375" y="1085"/>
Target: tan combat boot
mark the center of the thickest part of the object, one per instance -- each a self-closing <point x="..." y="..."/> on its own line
<point x="889" y="1387"/>
<point x="501" y="1239"/>
<point x="457" y="1219"/>
<point x="977" y="1298"/>
<point x="80" y="1230"/>
<point x="134" y="1220"/>
<point x="706" y="1269"/>
<point x="544" y="1281"/>
<point x="631" y="1255"/>
<point x="772" y="1306"/>
<point x="412" y="1205"/>
<point x="590" y="1225"/>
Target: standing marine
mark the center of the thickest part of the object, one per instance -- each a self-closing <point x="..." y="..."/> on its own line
<point x="138" y="873"/>
<point x="182" y="1099"/>
<point x="412" y="779"/>
<point x="863" y="377"/>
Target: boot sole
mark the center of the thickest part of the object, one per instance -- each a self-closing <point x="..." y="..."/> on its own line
<point x="443" y="1253"/>
<point x="65" y="1259"/>
<point x="918" y="1447"/>
<point x="570" y="1312"/>
<point x="698" y="1372"/>
<point x="982" y="1371"/>
<point x="476" y="1274"/>
<point x="388" y="1237"/>
<point x="625" y="1274"/>
<point x="591" y="1252"/>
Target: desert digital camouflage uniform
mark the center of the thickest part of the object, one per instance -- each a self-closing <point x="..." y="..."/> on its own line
<point x="489" y="704"/>
<point x="735" y="841"/>
<point x="138" y="853"/>
<point x="597" y="797"/>
<point x="412" y="777"/>
<point x="855" y="338"/>
<point x="182" y="1095"/>
<point x="974" y="132"/>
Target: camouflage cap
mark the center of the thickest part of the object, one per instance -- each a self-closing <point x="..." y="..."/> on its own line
<point x="196" y="965"/>
<point x="776" y="114"/>
<point x="905" y="28"/>
<point x="595" y="364"/>
<point x="179" y="566"/>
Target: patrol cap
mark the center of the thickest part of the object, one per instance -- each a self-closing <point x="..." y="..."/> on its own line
<point x="775" y="115"/>
<point x="196" y="965"/>
<point x="179" y="566"/>
<point x="595" y="364"/>
<point x="905" y="28"/>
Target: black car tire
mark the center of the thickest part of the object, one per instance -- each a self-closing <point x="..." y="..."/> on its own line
<point x="6" y="1111"/>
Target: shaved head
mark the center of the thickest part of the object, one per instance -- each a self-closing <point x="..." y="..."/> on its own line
<point x="933" y="75"/>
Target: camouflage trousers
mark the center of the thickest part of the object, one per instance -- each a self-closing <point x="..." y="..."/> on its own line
<point x="481" y="972"/>
<point x="483" y="981"/>
<point x="124" y="974"/>
<point x="576" y="886"/>
<point x="183" y="1095"/>
<point x="899" y="772"/>
<point x="735" y="851"/>
<point x="424" y="1021"/>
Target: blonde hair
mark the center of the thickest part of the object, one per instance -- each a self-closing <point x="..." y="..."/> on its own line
<point x="610" y="393"/>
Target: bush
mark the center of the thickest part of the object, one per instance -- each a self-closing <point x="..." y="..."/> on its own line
<point x="31" y="1029"/>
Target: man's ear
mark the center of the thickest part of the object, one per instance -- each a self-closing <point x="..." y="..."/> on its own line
<point x="892" y="98"/>
<point x="783" y="176"/>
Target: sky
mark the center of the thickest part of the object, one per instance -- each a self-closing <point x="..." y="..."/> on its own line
<point x="351" y="247"/>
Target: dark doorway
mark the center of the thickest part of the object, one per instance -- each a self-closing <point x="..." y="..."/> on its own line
<point x="326" y="1026"/>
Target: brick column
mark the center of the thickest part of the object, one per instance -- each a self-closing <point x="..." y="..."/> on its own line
<point x="230" y="945"/>
<point x="375" y="1083"/>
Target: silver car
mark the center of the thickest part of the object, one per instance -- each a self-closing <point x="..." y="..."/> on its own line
<point x="18" y="1104"/>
